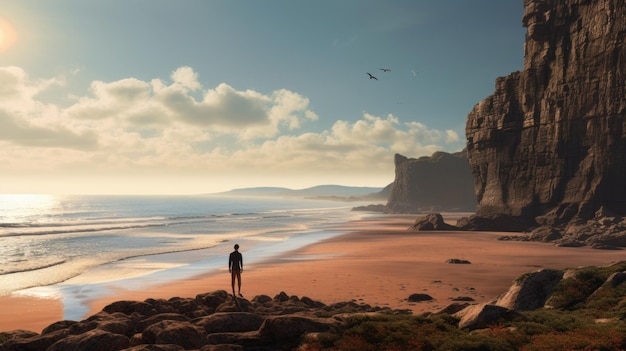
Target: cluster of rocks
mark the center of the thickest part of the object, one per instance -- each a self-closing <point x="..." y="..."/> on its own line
<point x="529" y="292"/>
<point x="605" y="230"/>
<point x="210" y="321"/>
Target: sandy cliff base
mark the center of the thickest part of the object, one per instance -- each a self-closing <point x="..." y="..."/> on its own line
<point x="379" y="263"/>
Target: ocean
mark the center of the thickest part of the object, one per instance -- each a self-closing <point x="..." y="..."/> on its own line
<point x="58" y="246"/>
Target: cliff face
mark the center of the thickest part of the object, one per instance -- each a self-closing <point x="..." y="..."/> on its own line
<point x="442" y="181"/>
<point x="550" y="143"/>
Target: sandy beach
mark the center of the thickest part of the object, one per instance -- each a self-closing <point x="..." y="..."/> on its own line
<point x="377" y="262"/>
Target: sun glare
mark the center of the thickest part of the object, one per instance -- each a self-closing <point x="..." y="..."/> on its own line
<point x="7" y="35"/>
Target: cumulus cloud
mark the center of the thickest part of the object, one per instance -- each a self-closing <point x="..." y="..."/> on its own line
<point x="181" y="127"/>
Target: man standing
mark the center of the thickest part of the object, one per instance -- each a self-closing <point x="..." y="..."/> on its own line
<point x="235" y="267"/>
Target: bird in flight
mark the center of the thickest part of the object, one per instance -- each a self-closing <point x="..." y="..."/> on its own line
<point x="385" y="69"/>
<point x="371" y="76"/>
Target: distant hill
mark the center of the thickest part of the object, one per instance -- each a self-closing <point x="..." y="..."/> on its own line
<point x="329" y="192"/>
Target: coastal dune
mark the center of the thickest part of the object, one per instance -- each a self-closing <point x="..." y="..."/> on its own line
<point x="378" y="262"/>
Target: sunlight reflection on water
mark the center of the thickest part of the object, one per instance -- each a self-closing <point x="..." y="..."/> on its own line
<point x="17" y="208"/>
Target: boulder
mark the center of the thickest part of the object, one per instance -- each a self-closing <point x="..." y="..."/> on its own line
<point x="484" y="315"/>
<point x="144" y="323"/>
<point x="530" y="291"/>
<point x="27" y="341"/>
<point x="230" y="322"/>
<point x="152" y="347"/>
<point x="93" y="340"/>
<point x="419" y="297"/>
<point x="432" y="221"/>
<point x="129" y="307"/>
<point x="457" y="261"/>
<point x="213" y="299"/>
<point x="283" y="328"/>
<point x="180" y="333"/>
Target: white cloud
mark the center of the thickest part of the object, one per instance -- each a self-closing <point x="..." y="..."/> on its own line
<point x="186" y="77"/>
<point x="151" y="129"/>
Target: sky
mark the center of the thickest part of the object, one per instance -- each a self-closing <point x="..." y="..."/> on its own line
<point x="203" y="96"/>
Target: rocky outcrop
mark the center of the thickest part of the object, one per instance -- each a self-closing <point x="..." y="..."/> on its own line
<point x="484" y="315"/>
<point x="216" y="321"/>
<point x="550" y="143"/>
<point x="531" y="291"/>
<point x="211" y="321"/>
<point x="440" y="182"/>
<point x="546" y="288"/>
<point x="431" y="221"/>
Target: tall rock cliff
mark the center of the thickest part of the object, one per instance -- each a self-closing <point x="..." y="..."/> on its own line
<point x="441" y="182"/>
<point x="549" y="146"/>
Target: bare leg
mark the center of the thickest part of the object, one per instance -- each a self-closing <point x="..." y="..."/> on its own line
<point x="238" y="283"/>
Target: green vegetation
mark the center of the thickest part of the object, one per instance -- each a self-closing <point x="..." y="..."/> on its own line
<point x="588" y="313"/>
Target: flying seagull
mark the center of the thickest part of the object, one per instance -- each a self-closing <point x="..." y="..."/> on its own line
<point x="385" y="69"/>
<point x="371" y="76"/>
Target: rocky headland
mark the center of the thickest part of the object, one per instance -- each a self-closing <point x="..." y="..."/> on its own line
<point x="548" y="148"/>
<point x="440" y="182"/>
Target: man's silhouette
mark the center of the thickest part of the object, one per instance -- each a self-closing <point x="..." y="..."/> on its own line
<point x="235" y="267"/>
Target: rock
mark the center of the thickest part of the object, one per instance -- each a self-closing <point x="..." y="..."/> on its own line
<point x="483" y="315"/>
<point x="550" y="143"/>
<point x="223" y="347"/>
<point x="248" y="340"/>
<point x="230" y="322"/>
<point x="185" y="306"/>
<point x="293" y="327"/>
<point x="530" y="291"/>
<point x="17" y="334"/>
<point x="616" y="278"/>
<point x="180" y="333"/>
<point x="144" y="323"/>
<point x="457" y="261"/>
<point x="152" y="347"/>
<point x="495" y="222"/>
<point x="281" y="297"/>
<point x="419" y="297"/>
<point x="453" y="308"/>
<point x="463" y="298"/>
<point x="128" y="307"/>
<point x="24" y="340"/>
<point x="261" y="299"/>
<point x="545" y="234"/>
<point x="213" y="299"/>
<point x="433" y="221"/>
<point x="64" y="324"/>
<point x="441" y="182"/>
<point x="93" y="340"/>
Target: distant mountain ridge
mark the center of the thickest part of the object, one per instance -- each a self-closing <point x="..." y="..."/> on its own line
<point x="337" y="192"/>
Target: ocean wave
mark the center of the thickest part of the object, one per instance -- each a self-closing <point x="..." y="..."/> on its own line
<point x="35" y="229"/>
<point x="5" y="271"/>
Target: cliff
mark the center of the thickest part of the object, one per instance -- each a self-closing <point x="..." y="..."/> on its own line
<point x="549" y="146"/>
<point x="442" y="181"/>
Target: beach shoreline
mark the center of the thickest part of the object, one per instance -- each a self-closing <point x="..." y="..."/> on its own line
<point x="377" y="261"/>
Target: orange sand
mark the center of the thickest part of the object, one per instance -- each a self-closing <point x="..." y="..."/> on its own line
<point x="379" y="263"/>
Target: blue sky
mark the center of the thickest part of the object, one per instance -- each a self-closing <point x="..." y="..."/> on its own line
<point x="184" y="97"/>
